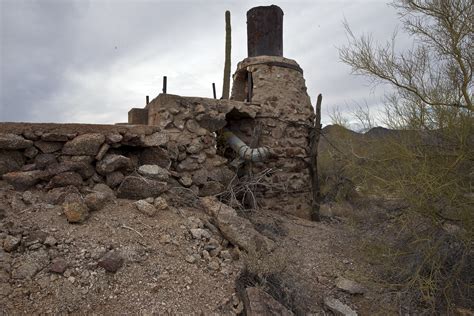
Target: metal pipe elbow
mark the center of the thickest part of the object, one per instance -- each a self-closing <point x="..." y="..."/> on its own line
<point x="246" y="153"/>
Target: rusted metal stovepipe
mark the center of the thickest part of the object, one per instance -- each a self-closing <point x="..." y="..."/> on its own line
<point x="265" y="31"/>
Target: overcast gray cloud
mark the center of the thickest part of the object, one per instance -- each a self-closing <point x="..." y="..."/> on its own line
<point x="91" y="61"/>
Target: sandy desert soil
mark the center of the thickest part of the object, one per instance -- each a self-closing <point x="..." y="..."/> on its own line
<point x="50" y="266"/>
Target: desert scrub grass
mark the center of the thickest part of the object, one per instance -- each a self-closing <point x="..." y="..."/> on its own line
<point x="428" y="161"/>
<point x="430" y="255"/>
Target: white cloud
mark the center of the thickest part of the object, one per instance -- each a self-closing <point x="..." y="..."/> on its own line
<point x="91" y="61"/>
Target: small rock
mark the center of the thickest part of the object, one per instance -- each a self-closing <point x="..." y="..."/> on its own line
<point x="145" y="208"/>
<point x="65" y="179"/>
<point x="338" y="308"/>
<point x="11" y="243"/>
<point x="214" y="265"/>
<point x="97" y="200"/>
<point x="114" y="138"/>
<point x="186" y="180"/>
<point x="58" y="265"/>
<point x="48" y="147"/>
<point x="28" y="167"/>
<point x="50" y="241"/>
<point x="57" y="196"/>
<point x="5" y="289"/>
<point x="102" y="151"/>
<point x="31" y="152"/>
<point x="211" y="227"/>
<point x="195" y="222"/>
<point x="160" y="204"/>
<point x="206" y="256"/>
<point x="29" y="197"/>
<point x="155" y="156"/>
<point x="150" y="200"/>
<point x="54" y="137"/>
<point x="199" y="233"/>
<point x="111" y="261"/>
<point x="215" y="252"/>
<point x="44" y="160"/>
<point x="114" y="179"/>
<point x="226" y="255"/>
<point x="235" y="253"/>
<point x="211" y="188"/>
<point x="154" y="140"/>
<point x="349" y="286"/>
<point x="188" y="164"/>
<point x="195" y="146"/>
<point x="17" y="204"/>
<point x="258" y="302"/>
<point x="28" y="265"/>
<point x="165" y="239"/>
<point x="190" y="259"/>
<point x="103" y="188"/>
<point x="76" y="212"/>
<point x="154" y="172"/>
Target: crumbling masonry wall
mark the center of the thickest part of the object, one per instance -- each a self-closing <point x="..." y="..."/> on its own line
<point x="283" y="123"/>
<point x="137" y="161"/>
<point x="269" y="107"/>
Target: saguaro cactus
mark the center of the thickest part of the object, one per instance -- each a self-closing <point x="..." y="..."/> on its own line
<point x="226" y="84"/>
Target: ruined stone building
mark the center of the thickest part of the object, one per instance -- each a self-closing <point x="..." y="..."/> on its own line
<point x="202" y="145"/>
<point x="269" y="107"/>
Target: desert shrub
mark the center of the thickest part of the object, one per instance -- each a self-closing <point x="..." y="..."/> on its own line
<point x="428" y="161"/>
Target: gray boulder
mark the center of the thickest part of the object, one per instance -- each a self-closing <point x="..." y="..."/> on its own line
<point x="12" y="141"/>
<point x="154" y="172"/>
<point x="22" y="180"/>
<point x="134" y="187"/>
<point x="112" y="162"/>
<point x="10" y="160"/>
<point x="66" y="179"/>
<point x="86" y="144"/>
<point x="238" y="230"/>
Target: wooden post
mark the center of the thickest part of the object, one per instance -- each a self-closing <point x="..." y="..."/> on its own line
<point x="249" y="86"/>
<point x="313" y="163"/>
<point x="164" y="84"/>
<point x="147" y="100"/>
<point x="214" y="90"/>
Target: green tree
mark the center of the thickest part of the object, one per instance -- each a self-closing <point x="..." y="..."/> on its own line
<point x="429" y="163"/>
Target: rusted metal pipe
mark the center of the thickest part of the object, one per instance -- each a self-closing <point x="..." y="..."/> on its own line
<point x="165" y="84"/>
<point x="246" y="153"/>
<point x="265" y="31"/>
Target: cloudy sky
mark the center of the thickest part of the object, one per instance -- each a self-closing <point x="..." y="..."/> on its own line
<point x="91" y="61"/>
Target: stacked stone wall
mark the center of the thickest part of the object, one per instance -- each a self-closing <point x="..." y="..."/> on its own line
<point x="136" y="161"/>
<point x="282" y="123"/>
